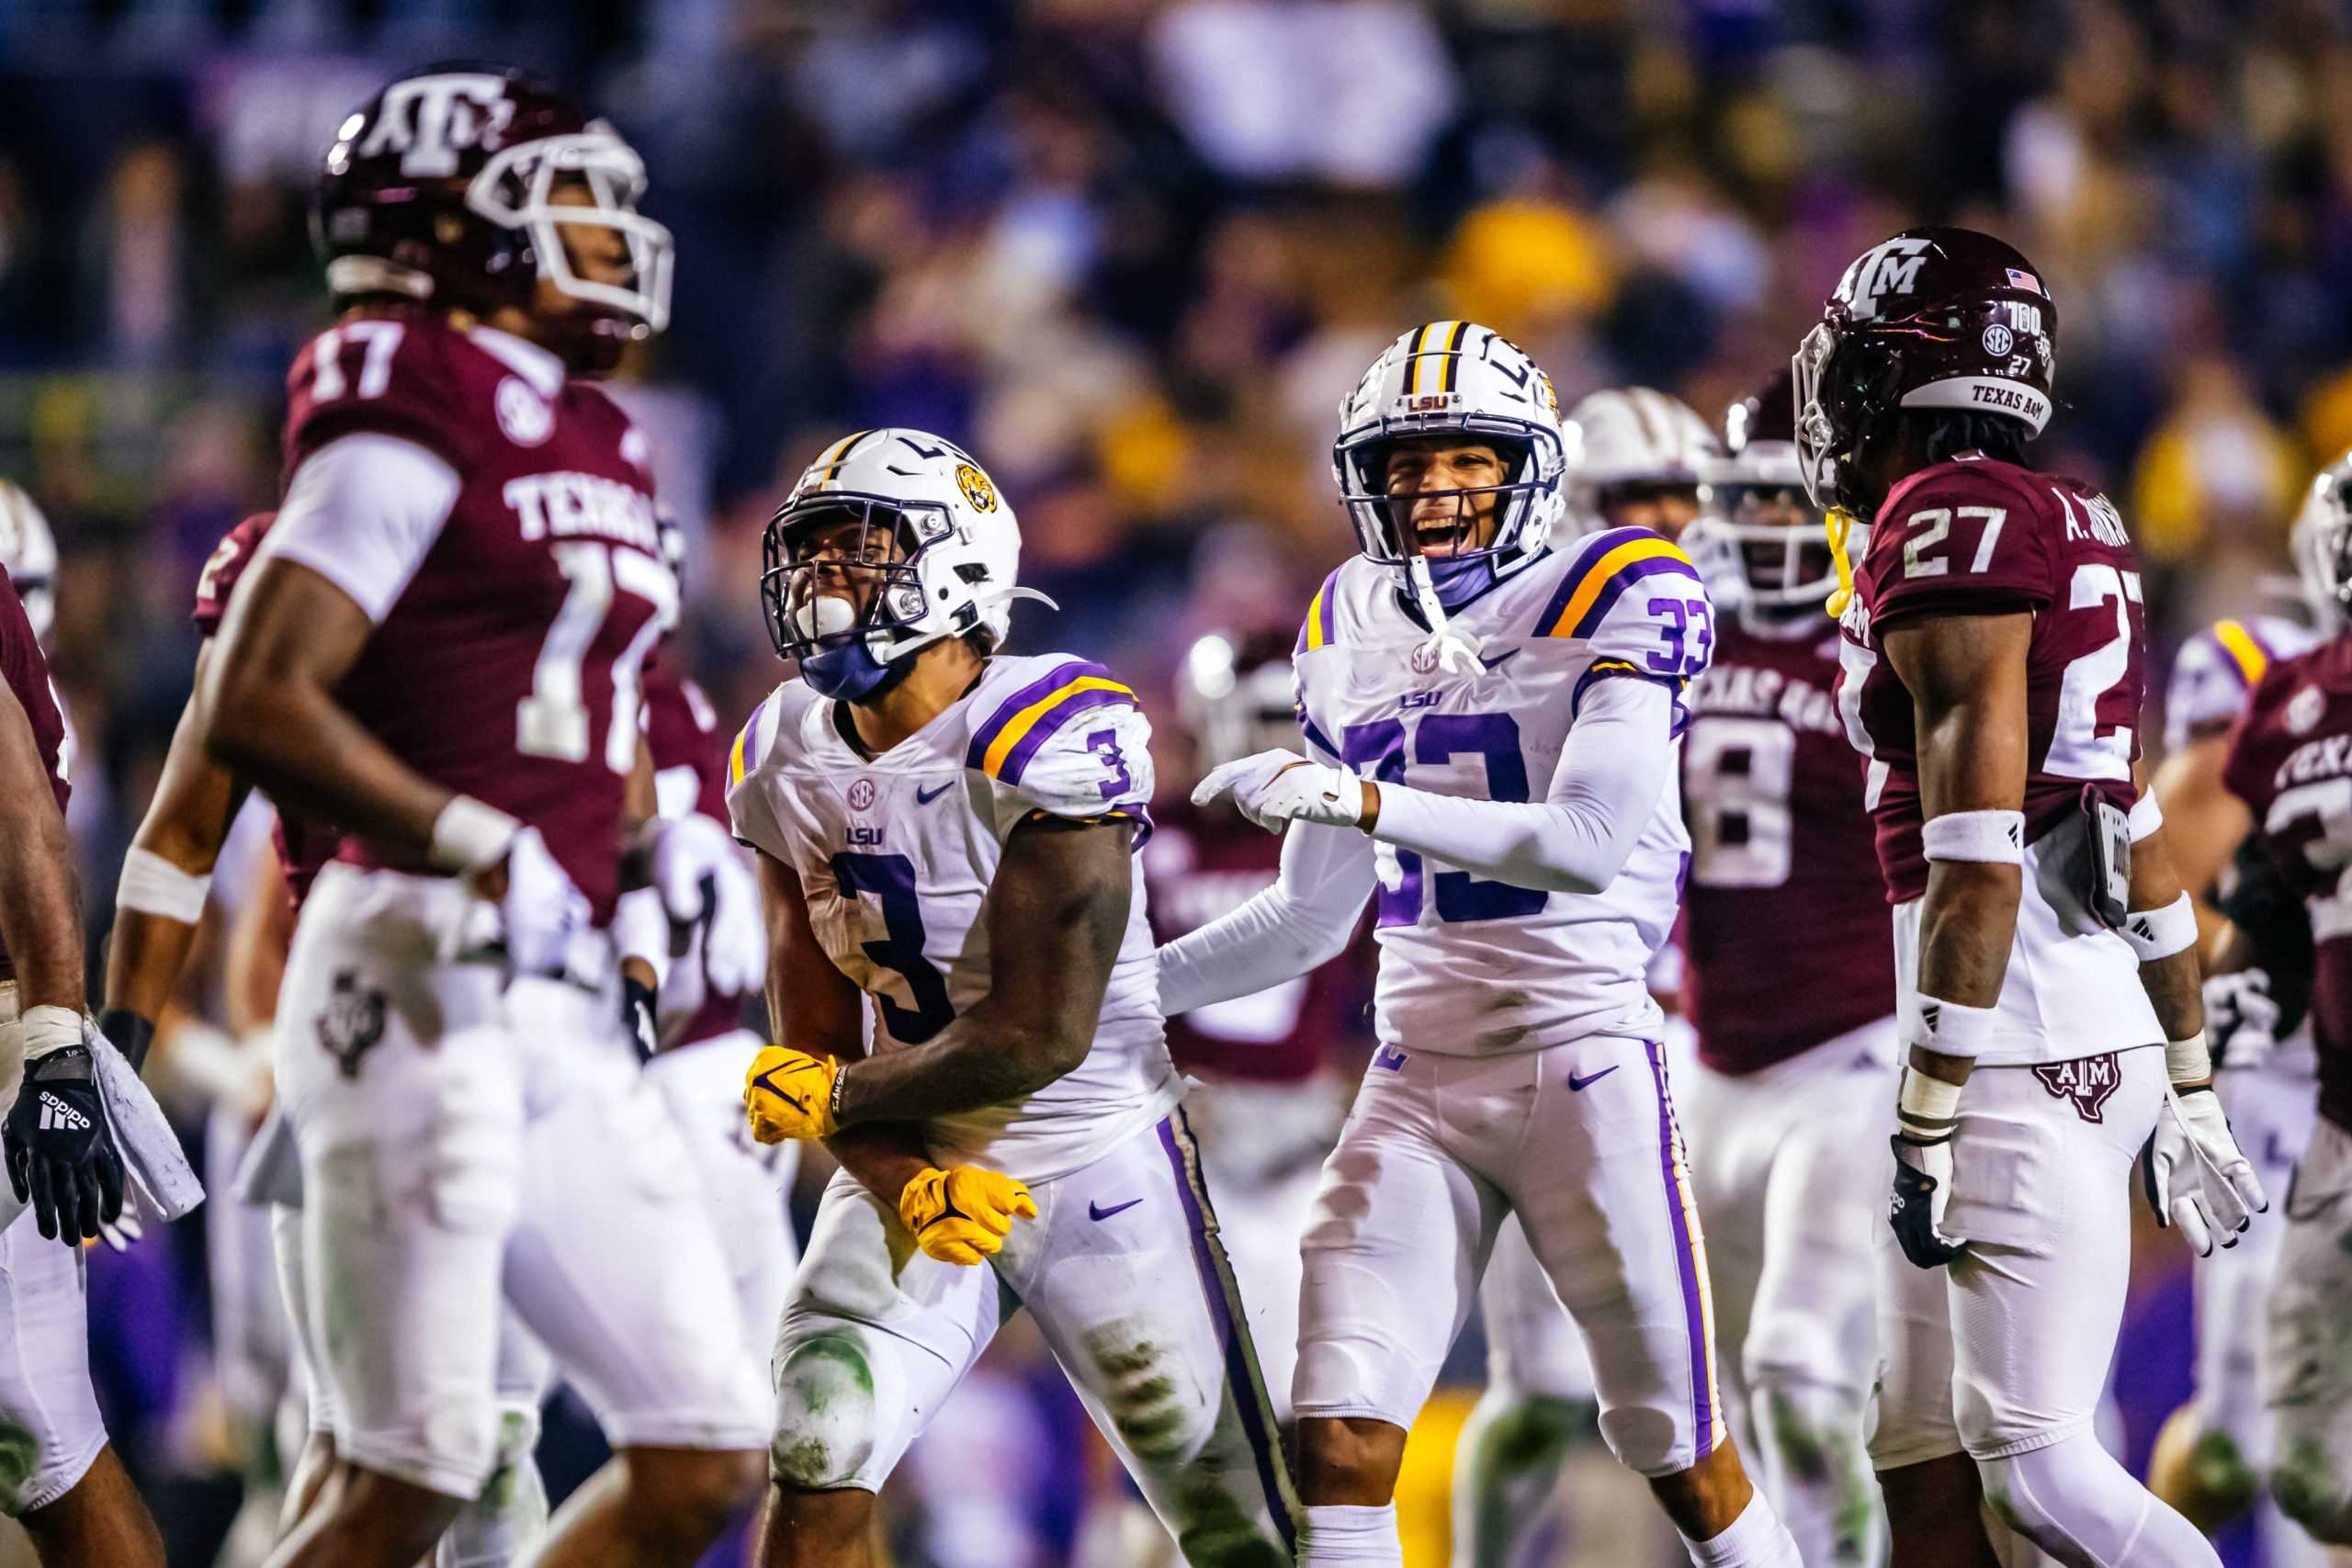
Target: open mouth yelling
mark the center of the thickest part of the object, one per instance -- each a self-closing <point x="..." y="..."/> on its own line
<point x="1450" y="534"/>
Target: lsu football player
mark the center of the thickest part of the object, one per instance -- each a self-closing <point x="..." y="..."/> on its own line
<point x="1493" y="727"/>
<point x="947" y="831"/>
<point x="1636" y="457"/>
<point x="2211" y="1457"/>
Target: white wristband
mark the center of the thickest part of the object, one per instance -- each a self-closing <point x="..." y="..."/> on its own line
<point x="2145" y="816"/>
<point x="51" y="1028"/>
<point x="1925" y="1108"/>
<point x="1993" y="838"/>
<point x="2188" y="1061"/>
<point x="1949" y="1029"/>
<point x="2160" y="933"/>
<point x="468" y="835"/>
<point x="154" y="886"/>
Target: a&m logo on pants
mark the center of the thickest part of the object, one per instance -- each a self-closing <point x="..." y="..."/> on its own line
<point x="2088" y="1081"/>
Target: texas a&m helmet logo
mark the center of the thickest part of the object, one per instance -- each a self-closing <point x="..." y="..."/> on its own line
<point x="428" y="120"/>
<point x="2089" y="1081"/>
<point x="1890" y="266"/>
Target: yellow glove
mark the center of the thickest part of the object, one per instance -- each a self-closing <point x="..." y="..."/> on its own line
<point x="963" y="1215"/>
<point x="790" y="1094"/>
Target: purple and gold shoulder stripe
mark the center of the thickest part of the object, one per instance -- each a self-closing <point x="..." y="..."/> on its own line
<point x="1021" y="724"/>
<point x="1606" y="565"/>
<point x="749" y="743"/>
<point x="2241" y="649"/>
<point x="1315" y="632"/>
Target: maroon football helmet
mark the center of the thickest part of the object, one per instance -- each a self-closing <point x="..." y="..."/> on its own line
<point x="1933" y="319"/>
<point x="442" y="188"/>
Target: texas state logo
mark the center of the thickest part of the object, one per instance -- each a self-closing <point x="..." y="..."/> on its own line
<point x="2088" y="1081"/>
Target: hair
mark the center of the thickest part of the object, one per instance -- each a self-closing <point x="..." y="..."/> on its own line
<point x="1941" y="434"/>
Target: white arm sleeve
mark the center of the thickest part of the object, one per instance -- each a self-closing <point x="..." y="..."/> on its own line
<point x="1304" y="920"/>
<point x="361" y="512"/>
<point x="1615" y="765"/>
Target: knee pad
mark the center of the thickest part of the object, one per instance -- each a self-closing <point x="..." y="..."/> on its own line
<point x="2313" y="1489"/>
<point x="826" y="1412"/>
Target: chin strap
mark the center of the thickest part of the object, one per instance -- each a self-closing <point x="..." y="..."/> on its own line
<point x="1838" y="523"/>
<point x="1456" y="652"/>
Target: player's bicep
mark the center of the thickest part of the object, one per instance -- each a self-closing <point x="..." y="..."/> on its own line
<point x="1058" y="915"/>
<point x="2203" y="820"/>
<point x="1966" y="676"/>
<point x="813" y="1006"/>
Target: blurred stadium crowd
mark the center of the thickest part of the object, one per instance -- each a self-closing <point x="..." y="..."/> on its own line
<point x="1131" y="253"/>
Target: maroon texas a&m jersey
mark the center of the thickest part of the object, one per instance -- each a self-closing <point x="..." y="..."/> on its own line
<point x="689" y="774"/>
<point x="1975" y="536"/>
<point x="26" y="669"/>
<point x="507" y="667"/>
<point x="2290" y="762"/>
<point x="1203" y="862"/>
<point x="303" y="848"/>
<point x="1785" y="930"/>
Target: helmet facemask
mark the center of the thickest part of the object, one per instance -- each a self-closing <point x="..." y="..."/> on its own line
<point x="518" y="189"/>
<point x="1768" y="535"/>
<point x="842" y="586"/>
<point x="1387" y="533"/>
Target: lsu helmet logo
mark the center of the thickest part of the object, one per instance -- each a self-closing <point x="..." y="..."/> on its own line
<point x="976" y="486"/>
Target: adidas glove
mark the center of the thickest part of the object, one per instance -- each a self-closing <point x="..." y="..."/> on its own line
<point x="59" y="1146"/>
<point x="789" y="1094"/>
<point x="963" y="1215"/>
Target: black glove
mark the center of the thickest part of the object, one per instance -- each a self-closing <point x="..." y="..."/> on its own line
<point x="1922" y="1188"/>
<point x="131" y="1035"/>
<point x="640" y="1006"/>
<point x="60" y="1149"/>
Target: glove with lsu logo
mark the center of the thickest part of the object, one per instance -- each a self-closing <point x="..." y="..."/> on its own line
<point x="789" y="1094"/>
<point x="963" y="1215"/>
<point x="1277" y="788"/>
<point x="59" y="1142"/>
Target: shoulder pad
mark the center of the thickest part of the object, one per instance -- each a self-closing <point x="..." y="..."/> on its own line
<point x="1064" y="737"/>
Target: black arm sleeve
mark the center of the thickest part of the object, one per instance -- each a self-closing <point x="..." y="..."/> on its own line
<point x="2274" y="921"/>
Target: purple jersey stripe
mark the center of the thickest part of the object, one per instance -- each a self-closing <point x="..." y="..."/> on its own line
<point x="1140" y="812"/>
<point x="1627" y="575"/>
<point x="1587" y="554"/>
<point x="1316" y="739"/>
<point x="1053" y="680"/>
<point x="1049" y="724"/>
<point x="1241" y="1377"/>
<point x="1687" y="1261"/>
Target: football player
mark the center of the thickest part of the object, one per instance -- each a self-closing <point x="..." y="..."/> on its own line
<point x="2290" y="766"/>
<point x="947" y="831"/>
<point x="1790" y="985"/>
<point x="1270" y="1109"/>
<point x="1636" y="458"/>
<point x="437" y="649"/>
<point x="1493" y="727"/>
<point x="2045" y="965"/>
<point x="159" y="905"/>
<point x="2212" y="1454"/>
<point x="66" y="1487"/>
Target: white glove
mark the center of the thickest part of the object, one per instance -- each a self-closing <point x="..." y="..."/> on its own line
<point x="2242" y="1018"/>
<point x="1277" y="788"/>
<point x="2196" y="1176"/>
<point x="700" y="874"/>
<point x="538" y="921"/>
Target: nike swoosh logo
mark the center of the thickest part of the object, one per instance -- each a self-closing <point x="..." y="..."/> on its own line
<point x="1579" y="1084"/>
<point x="1497" y="662"/>
<point x="924" y="797"/>
<point x="1096" y="1211"/>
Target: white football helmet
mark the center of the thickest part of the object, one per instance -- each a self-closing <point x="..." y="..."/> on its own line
<point x="941" y="543"/>
<point x="1623" y="436"/>
<point x="1452" y="377"/>
<point x="1758" y="538"/>
<point x="1238" y="696"/>
<point x="2321" y="544"/>
<point x="28" y="550"/>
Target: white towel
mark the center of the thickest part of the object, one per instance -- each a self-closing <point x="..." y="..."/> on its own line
<point x="153" y="1164"/>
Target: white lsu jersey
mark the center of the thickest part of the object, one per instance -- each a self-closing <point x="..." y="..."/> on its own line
<point x="1471" y="966"/>
<point x="2216" y="668"/>
<point x="895" y="855"/>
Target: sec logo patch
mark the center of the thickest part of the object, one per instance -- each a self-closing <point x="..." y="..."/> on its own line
<point x="522" y="414"/>
<point x="861" y="795"/>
